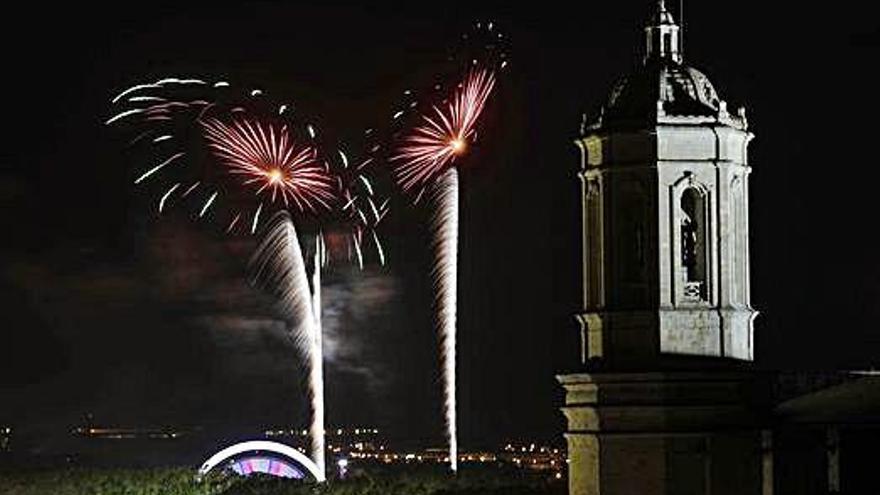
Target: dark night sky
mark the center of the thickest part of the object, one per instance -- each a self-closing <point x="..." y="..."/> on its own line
<point x="145" y="321"/>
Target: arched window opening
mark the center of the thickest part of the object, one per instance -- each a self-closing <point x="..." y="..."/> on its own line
<point x="693" y="244"/>
<point x="667" y="43"/>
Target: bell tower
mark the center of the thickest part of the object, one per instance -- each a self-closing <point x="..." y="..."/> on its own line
<point x="664" y="175"/>
<point x="664" y="401"/>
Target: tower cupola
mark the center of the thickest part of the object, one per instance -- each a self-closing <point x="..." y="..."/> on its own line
<point x="662" y="36"/>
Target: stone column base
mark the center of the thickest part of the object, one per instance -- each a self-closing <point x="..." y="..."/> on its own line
<point x="662" y="433"/>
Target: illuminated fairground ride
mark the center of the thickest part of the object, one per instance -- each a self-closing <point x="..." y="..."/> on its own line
<point x="261" y="456"/>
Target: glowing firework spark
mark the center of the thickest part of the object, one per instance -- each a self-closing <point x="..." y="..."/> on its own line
<point x="278" y="266"/>
<point x="266" y="157"/>
<point x="443" y="134"/>
<point x="361" y="215"/>
<point x="165" y="196"/>
<point x="158" y="167"/>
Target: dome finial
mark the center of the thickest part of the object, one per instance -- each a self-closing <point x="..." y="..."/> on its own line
<point x="662" y="34"/>
<point x="662" y="16"/>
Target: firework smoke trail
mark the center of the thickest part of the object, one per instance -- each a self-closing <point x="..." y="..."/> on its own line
<point x="278" y="265"/>
<point x="316" y="365"/>
<point x="444" y="226"/>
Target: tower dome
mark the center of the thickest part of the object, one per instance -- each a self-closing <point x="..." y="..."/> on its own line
<point x="662" y="86"/>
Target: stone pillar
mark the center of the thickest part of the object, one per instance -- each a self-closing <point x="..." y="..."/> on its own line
<point x="661" y="433"/>
<point x="583" y="468"/>
<point x="767" y="462"/>
<point x="832" y="456"/>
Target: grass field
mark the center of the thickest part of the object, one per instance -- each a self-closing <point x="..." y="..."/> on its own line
<point x="181" y="481"/>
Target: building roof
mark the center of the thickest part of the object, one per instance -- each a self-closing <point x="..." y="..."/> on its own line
<point x="663" y="86"/>
<point x="855" y="400"/>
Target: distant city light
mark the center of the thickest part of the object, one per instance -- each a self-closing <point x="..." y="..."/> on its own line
<point x="362" y="444"/>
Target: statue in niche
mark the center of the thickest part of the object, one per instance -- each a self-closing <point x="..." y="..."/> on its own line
<point x="592" y="188"/>
<point x="689" y="247"/>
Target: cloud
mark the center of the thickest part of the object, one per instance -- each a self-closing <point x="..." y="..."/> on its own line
<point x="174" y="333"/>
<point x="356" y="307"/>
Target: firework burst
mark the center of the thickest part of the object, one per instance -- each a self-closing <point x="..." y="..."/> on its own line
<point x="205" y="141"/>
<point x="444" y="133"/>
<point x="267" y="159"/>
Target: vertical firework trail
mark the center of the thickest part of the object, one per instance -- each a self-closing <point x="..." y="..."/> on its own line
<point x="444" y="226"/>
<point x="278" y="264"/>
<point x="428" y="161"/>
<point x="316" y="363"/>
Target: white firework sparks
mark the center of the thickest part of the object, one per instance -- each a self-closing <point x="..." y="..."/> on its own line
<point x="279" y="267"/>
<point x="316" y="364"/>
<point x="444" y="226"/>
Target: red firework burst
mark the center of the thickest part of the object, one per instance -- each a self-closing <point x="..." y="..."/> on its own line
<point x="443" y="134"/>
<point x="267" y="159"/>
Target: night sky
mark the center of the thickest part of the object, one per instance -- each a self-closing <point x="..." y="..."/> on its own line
<point x="140" y="320"/>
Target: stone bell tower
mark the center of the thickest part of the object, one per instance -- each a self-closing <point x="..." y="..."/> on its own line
<point x="665" y="215"/>
<point x="665" y="403"/>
